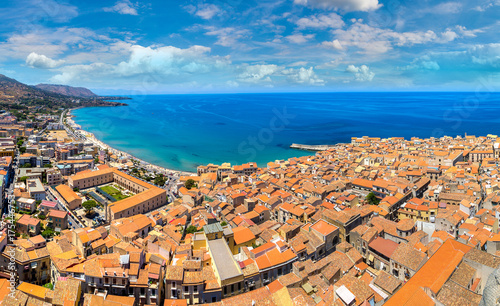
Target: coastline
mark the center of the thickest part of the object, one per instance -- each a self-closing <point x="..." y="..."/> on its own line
<point x="147" y="165"/>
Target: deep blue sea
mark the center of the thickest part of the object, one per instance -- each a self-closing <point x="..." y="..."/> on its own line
<point x="183" y="131"/>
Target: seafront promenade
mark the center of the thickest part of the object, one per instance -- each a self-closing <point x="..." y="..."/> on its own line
<point x="311" y="147"/>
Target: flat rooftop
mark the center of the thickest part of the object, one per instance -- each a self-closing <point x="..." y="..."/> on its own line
<point x="212" y="228"/>
<point x="223" y="259"/>
<point x="35" y="185"/>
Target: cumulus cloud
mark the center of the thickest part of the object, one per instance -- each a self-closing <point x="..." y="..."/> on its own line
<point x="41" y="61"/>
<point x="78" y="44"/>
<point x="303" y="76"/>
<point x="124" y="7"/>
<point x="258" y="73"/>
<point x="423" y="63"/>
<point x="372" y="40"/>
<point x="361" y="73"/>
<point x="268" y="73"/>
<point x="299" y="38"/>
<point x="483" y="58"/>
<point x="154" y="62"/>
<point x="324" y="21"/>
<point x="204" y="10"/>
<point x="345" y="5"/>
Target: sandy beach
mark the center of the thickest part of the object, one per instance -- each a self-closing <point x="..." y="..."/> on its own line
<point x="91" y="137"/>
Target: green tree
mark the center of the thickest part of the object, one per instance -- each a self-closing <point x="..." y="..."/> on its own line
<point x="47" y="166"/>
<point x="49" y="285"/>
<point x="89" y="206"/>
<point x="27" y="165"/>
<point x="23" y="179"/>
<point x="160" y="180"/>
<point x="48" y="232"/>
<point x="190" y="183"/>
<point x="22" y="150"/>
<point x="223" y="223"/>
<point x="372" y="199"/>
<point x="191" y="229"/>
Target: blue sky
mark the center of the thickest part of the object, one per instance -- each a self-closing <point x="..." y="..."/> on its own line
<point x="168" y="46"/>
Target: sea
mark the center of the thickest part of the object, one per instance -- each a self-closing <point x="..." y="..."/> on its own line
<point x="181" y="132"/>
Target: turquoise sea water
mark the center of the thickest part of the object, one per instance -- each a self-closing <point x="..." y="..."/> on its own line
<point x="183" y="131"/>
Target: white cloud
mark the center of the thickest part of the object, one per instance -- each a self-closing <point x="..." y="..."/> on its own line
<point x="361" y="73"/>
<point x="485" y="6"/>
<point x="423" y="63"/>
<point x="124" y="7"/>
<point x="325" y="21"/>
<point x="299" y="38"/>
<point x="25" y="14"/>
<point x="232" y="84"/>
<point x="468" y="33"/>
<point x="482" y="58"/>
<point x="204" y="10"/>
<point x="485" y="54"/>
<point x="373" y="40"/>
<point x="303" y="76"/>
<point x="448" y="36"/>
<point x="227" y="37"/>
<point x="270" y="73"/>
<point x="54" y="42"/>
<point x="443" y="8"/>
<point x="335" y="44"/>
<point x="258" y="73"/>
<point x="159" y="63"/>
<point x="35" y="60"/>
<point x="345" y="5"/>
<point x="299" y="63"/>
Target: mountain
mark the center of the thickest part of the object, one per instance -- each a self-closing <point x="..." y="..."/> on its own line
<point x="68" y="90"/>
<point x="15" y="95"/>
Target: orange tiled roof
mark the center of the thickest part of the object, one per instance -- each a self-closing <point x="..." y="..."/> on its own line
<point x="433" y="274"/>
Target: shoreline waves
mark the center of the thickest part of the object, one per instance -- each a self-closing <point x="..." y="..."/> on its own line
<point x="91" y="137"/>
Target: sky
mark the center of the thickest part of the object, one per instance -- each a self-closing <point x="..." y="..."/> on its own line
<point x="167" y="46"/>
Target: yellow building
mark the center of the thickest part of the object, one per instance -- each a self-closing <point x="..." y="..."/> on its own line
<point x="243" y="236"/>
<point x="148" y="197"/>
<point x="226" y="269"/>
<point x="418" y="212"/>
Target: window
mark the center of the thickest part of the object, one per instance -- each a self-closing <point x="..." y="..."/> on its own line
<point x="195" y="289"/>
<point x="186" y="289"/>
